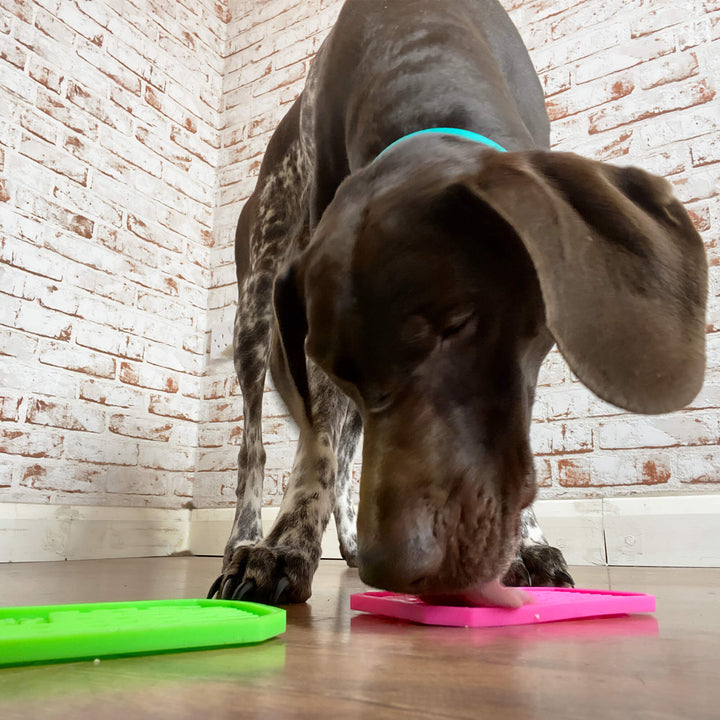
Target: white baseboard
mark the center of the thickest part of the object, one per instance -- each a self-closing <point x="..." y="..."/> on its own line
<point x="31" y="533"/>
<point x="673" y="531"/>
<point x="676" y="531"/>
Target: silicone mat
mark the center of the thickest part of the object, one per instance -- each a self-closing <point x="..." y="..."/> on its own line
<point x="550" y="604"/>
<point x="94" y="630"/>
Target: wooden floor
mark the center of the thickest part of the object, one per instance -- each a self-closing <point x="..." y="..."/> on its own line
<point x="335" y="663"/>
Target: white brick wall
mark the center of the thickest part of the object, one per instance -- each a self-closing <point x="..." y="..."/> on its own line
<point x="130" y="134"/>
<point x="109" y="147"/>
<point x="632" y="83"/>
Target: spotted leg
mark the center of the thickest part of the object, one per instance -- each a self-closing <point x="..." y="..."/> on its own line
<point x="280" y="568"/>
<point x="345" y="516"/>
<point x="252" y="344"/>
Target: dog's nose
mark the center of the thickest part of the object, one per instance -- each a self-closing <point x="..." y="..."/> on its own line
<point x="400" y="568"/>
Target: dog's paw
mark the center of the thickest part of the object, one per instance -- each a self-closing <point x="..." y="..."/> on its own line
<point x="540" y="566"/>
<point x="348" y="550"/>
<point x="270" y="575"/>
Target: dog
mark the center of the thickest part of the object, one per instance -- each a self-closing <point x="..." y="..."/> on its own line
<point x="409" y="285"/>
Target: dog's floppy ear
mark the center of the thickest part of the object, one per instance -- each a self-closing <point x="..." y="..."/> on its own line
<point x="291" y="315"/>
<point x="622" y="270"/>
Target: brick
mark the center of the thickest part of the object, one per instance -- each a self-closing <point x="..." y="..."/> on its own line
<point x="61" y="111"/>
<point x="31" y="258"/>
<point x="667" y="162"/>
<point x="31" y="204"/>
<point x="70" y="14"/>
<point x="701" y="184"/>
<point x="674" y="431"/>
<point x="587" y="96"/>
<point x="103" y="161"/>
<point x="681" y="125"/>
<point x="561" y="438"/>
<point x="20" y="9"/>
<point x="60" y="414"/>
<point x="543" y="472"/>
<point x="169" y="459"/>
<point x="68" y="220"/>
<point x="90" y="254"/>
<point x="591" y="471"/>
<point x="139" y="428"/>
<point x="139" y="481"/>
<point x="223" y="460"/>
<point x="6" y="475"/>
<point x="173" y="359"/>
<point x="211" y="437"/>
<point x="700" y="466"/>
<point x="576" y="401"/>
<point x="111" y="393"/>
<point x="185" y="434"/>
<point x="88" y="203"/>
<point x="46" y="76"/>
<point x="180" y="408"/>
<point x="36" y="123"/>
<point x="21" y="375"/>
<point x="654" y="19"/>
<point x="195" y="342"/>
<point x="64" y="478"/>
<point x="621" y="57"/>
<point x="66" y="300"/>
<point x="144" y="327"/>
<point x="88" y="448"/>
<point x="705" y="150"/>
<point x="168" y="107"/>
<point x="216" y="388"/>
<point x="53" y="27"/>
<point x="77" y="359"/>
<point x="12" y="53"/>
<point x="102" y="285"/>
<point x="225" y="411"/>
<point x="191" y="386"/>
<point x="35" y="444"/>
<point x="146" y="376"/>
<point x="39" y="321"/>
<point x="18" y="284"/>
<point x="10" y="407"/>
<point x="54" y="159"/>
<point x="161" y="147"/>
<point x="93" y="103"/>
<point x="109" y="340"/>
<point x="652" y="105"/>
<point x="668" y="69"/>
<point x="153" y="234"/>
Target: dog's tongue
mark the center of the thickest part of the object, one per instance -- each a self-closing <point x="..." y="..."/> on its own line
<point x="489" y="594"/>
<point x="494" y="593"/>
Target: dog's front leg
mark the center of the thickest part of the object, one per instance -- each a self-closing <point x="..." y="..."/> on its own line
<point x="279" y="569"/>
<point x="537" y="563"/>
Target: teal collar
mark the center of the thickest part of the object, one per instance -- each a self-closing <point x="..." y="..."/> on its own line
<point x="467" y="134"/>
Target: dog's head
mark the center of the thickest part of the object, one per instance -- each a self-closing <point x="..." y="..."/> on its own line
<point x="435" y="283"/>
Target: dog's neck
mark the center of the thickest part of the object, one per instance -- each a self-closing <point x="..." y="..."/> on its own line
<point x="457" y="132"/>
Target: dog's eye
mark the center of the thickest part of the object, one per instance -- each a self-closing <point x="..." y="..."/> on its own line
<point x="457" y="324"/>
<point x="381" y="402"/>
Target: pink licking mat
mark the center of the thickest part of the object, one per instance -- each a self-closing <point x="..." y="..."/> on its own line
<point x="550" y="604"/>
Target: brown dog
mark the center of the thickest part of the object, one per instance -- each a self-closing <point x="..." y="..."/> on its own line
<point x="418" y="292"/>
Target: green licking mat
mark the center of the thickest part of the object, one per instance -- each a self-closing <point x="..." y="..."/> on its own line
<point x="73" y="632"/>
